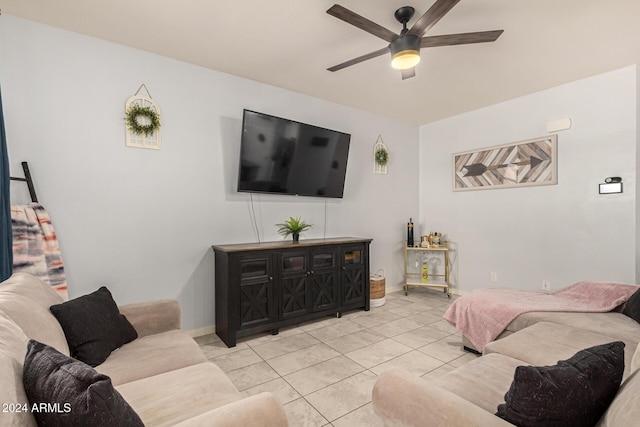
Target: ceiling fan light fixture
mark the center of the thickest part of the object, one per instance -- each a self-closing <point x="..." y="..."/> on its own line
<point x="405" y="52"/>
<point x="405" y="59"/>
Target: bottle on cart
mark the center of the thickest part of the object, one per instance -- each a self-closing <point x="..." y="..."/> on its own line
<point x="410" y="233"/>
<point x="424" y="273"/>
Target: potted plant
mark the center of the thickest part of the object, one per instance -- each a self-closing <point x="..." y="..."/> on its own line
<point x="293" y="226"/>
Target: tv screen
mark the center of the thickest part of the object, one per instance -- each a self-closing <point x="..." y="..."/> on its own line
<point x="287" y="157"/>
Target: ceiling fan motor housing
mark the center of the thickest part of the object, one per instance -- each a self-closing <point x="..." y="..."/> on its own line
<point x="405" y="52"/>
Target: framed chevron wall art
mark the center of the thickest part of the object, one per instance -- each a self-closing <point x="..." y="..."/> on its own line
<point x="518" y="164"/>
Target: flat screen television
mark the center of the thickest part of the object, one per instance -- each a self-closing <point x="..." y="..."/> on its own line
<point x="287" y="157"/>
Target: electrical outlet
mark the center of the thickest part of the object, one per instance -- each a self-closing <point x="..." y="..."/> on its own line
<point x="546" y="285"/>
<point x="493" y="276"/>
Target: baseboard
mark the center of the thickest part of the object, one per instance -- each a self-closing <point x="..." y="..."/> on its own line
<point x="194" y="333"/>
<point x="397" y="288"/>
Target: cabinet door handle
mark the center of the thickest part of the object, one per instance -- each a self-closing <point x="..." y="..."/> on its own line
<point x="311" y="272"/>
<point x="271" y="278"/>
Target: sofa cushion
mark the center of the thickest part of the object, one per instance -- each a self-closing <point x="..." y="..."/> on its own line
<point x="153" y="317"/>
<point x="13" y="341"/>
<point x="25" y="299"/>
<point x="31" y="287"/>
<point x="613" y="324"/>
<point x="545" y="343"/>
<point x="635" y="361"/>
<point x="35" y="321"/>
<point x="169" y="398"/>
<point x="482" y="381"/>
<point x="93" y="326"/>
<point x="151" y="355"/>
<point x="632" y="307"/>
<point x="246" y="412"/>
<point x="575" y="392"/>
<point x="17" y="410"/>
<point x="13" y="347"/>
<point x="73" y="392"/>
<point x="624" y="411"/>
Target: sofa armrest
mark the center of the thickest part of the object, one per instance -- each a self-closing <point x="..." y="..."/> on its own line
<point x="261" y="409"/>
<point x="153" y="317"/>
<point x="402" y="399"/>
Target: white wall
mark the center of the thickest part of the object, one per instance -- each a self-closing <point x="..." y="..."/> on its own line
<point x="142" y="221"/>
<point x="561" y="233"/>
<point x="637" y="172"/>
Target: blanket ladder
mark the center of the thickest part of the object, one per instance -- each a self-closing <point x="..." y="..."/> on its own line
<point x="27" y="178"/>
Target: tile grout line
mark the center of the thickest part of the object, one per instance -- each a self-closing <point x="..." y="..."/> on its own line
<point x="364" y="328"/>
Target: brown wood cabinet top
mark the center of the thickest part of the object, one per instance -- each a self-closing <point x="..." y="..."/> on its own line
<point x="285" y="244"/>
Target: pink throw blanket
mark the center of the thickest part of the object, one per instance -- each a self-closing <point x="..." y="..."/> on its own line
<point x="484" y="314"/>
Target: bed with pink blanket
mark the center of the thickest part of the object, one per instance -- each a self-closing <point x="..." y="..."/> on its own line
<point x="482" y="315"/>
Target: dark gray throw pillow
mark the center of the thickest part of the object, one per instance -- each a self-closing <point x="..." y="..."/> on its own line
<point x="66" y="392"/>
<point x="632" y="307"/>
<point x="575" y="392"/>
<point x="93" y="326"/>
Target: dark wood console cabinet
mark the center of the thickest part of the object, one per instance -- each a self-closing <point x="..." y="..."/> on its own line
<point x="264" y="286"/>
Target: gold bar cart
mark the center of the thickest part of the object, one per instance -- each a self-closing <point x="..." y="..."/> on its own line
<point x="414" y="279"/>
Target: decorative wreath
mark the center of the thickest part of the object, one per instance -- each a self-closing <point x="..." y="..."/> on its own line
<point x="382" y="156"/>
<point x="135" y="111"/>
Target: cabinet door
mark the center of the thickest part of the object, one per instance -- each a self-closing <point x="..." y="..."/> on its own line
<point x="354" y="282"/>
<point x="256" y="290"/>
<point x="293" y="269"/>
<point x="323" y="278"/>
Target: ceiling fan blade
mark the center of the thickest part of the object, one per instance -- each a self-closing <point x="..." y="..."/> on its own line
<point x="360" y="59"/>
<point x="462" y="38"/>
<point x="361" y="22"/>
<point x="407" y="74"/>
<point x="432" y="16"/>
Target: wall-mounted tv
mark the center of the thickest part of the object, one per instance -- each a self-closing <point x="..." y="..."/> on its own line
<point x="287" y="157"/>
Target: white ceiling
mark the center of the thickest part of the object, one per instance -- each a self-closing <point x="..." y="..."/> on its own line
<point x="290" y="43"/>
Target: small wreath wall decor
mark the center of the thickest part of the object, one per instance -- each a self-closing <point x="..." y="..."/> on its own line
<point x="134" y="112"/>
<point x="382" y="156"/>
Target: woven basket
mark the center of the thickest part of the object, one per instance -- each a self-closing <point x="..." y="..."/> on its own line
<point x="377" y="287"/>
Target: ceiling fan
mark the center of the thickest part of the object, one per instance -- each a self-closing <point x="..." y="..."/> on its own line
<point x="405" y="47"/>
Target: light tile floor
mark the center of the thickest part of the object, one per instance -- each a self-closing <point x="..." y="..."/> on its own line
<point x="323" y="371"/>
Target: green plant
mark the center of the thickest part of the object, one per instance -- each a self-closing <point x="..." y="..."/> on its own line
<point x="382" y="156"/>
<point x="137" y="110"/>
<point x="293" y="226"/>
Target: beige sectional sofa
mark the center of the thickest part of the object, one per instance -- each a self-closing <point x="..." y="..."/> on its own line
<point x="163" y="375"/>
<point x="470" y="395"/>
<point x="613" y="324"/>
